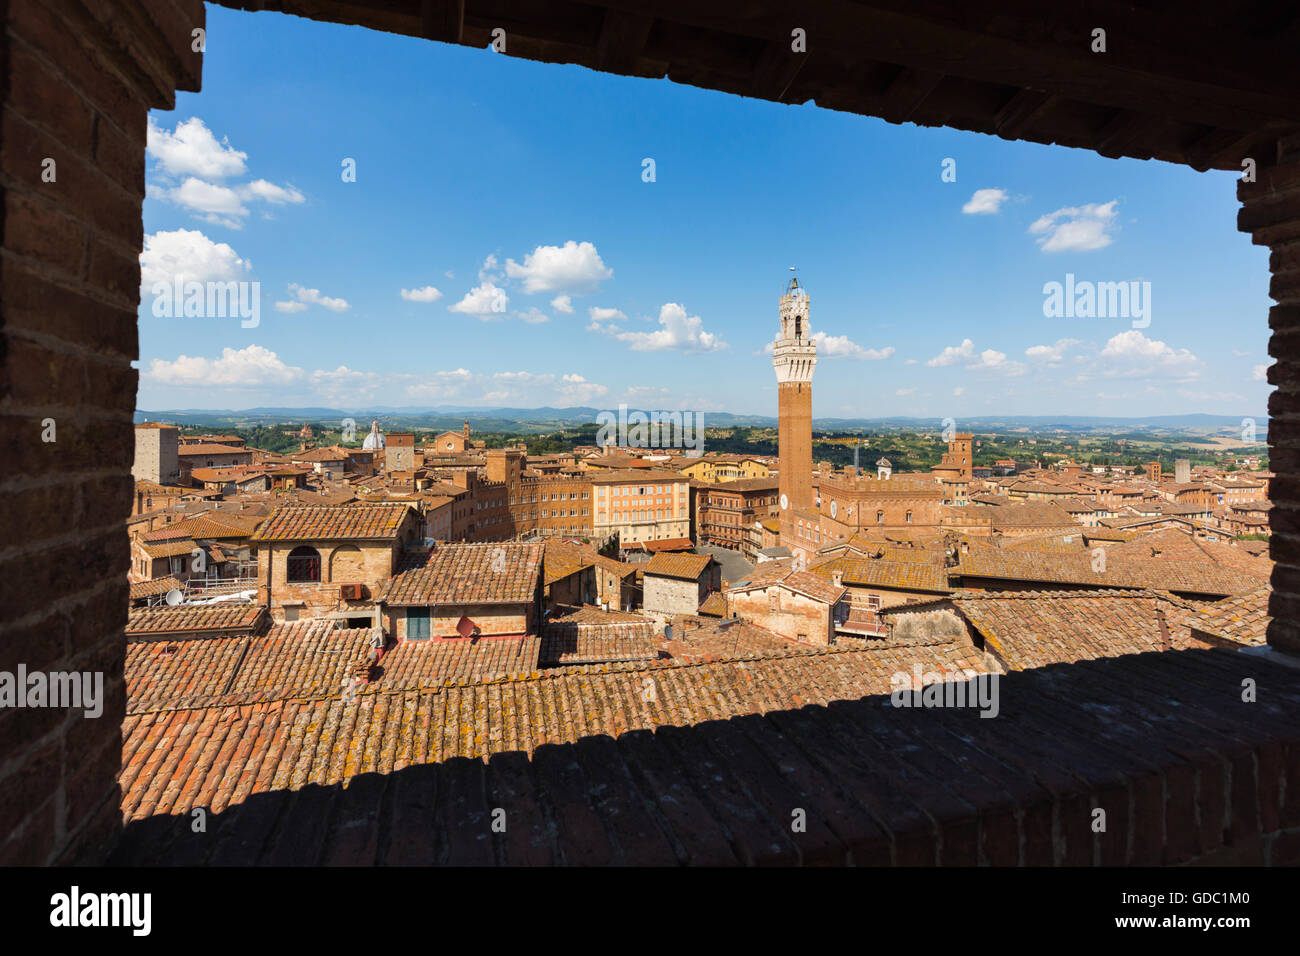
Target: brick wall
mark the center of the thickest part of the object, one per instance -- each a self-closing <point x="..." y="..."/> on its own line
<point x="78" y="80"/>
<point x="1271" y="214"/>
<point x="790" y="613"/>
<point x="366" y="563"/>
<point x="493" y="620"/>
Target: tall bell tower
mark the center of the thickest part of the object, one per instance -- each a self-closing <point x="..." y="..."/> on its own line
<point x="794" y="357"/>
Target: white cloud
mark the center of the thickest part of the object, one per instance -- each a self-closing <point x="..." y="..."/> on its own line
<point x="480" y="301"/>
<point x="1051" y="354"/>
<point x="991" y="360"/>
<point x="1259" y="373"/>
<point x="1076" y="228"/>
<point x="984" y="202"/>
<point x="679" y="332"/>
<point x="291" y="306"/>
<point x="573" y="267"/>
<point x="577" y="389"/>
<point x="192" y="150"/>
<point x="954" y="354"/>
<point x="190" y="256"/>
<point x="534" y="316"/>
<point x="270" y="192"/>
<point x="958" y="392"/>
<point x="562" y="303"/>
<point x="193" y="155"/>
<point x="839" y="346"/>
<point x="544" y="388"/>
<point x="427" y="294"/>
<point x="905" y="391"/>
<point x="599" y="314"/>
<point x="224" y="205"/>
<point x="199" y="196"/>
<point x="490" y="271"/>
<point x="311" y="297"/>
<point x="441" y="384"/>
<point x="239" y="368"/>
<point x="1131" y="354"/>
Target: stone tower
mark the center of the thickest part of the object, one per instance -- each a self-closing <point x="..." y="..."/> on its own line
<point x="399" y="452"/>
<point x="794" y="357"/>
<point x="959" y="455"/>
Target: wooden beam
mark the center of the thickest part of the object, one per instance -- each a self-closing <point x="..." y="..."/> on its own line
<point x="442" y="20"/>
<point x="1220" y="149"/>
<point x="622" y="38"/>
<point x="1122" y="130"/>
<point x="1020" y="112"/>
<point x="776" y="69"/>
<point x="906" y="92"/>
<point x="1164" y="85"/>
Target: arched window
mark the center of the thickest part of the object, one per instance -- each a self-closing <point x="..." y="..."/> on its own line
<point x="347" y="564"/>
<point x="909" y="517"/>
<point x="303" y="566"/>
<point x="880" y="517"/>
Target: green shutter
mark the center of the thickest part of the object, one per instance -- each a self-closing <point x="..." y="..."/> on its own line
<point x="417" y="623"/>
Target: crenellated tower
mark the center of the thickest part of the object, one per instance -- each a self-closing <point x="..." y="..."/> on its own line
<point x="794" y="358"/>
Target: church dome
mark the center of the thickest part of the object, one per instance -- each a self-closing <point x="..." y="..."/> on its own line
<point x="375" y="440"/>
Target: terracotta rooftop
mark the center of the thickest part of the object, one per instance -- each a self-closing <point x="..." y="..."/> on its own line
<point x="714" y="605"/>
<point x="812" y="585"/>
<point x="699" y="639"/>
<point x="742" y="485"/>
<point x="1025" y="514"/>
<point x="682" y="566"/>
<point x="484" y="573"/>
<point x="648" y="476"/>
<point x="590" y="635"/>
<point x="330" y="453"/>
<point x="423" y="665"/>
<point x="175" y="547"/>
<point x="1173" y="543"/>
<point x="1242" y="618"/>
<point x="154" y="622"/>
<point x="364" y="521"/>
<point x="1025" y="629"/>
<point x="691" y="775"/>
<point x="562" y="560"/>
<point x="1121" y="571"/>
<point x="668" y="544"/>
<point x="1058" y="541"/>
<point x="899" y="575"/>
<point x="207" y="525"/>
<point x="156" y="586"/>
<point x="210" y="448"/>
<point x="301" y="659"/>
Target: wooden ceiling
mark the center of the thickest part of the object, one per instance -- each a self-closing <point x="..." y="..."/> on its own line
<point x="1187" y="81"/>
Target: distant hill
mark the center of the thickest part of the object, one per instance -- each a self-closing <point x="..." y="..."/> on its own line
<point x="542" y="419"/>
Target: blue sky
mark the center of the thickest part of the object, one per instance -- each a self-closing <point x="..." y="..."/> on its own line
<point x="500" y="181"/>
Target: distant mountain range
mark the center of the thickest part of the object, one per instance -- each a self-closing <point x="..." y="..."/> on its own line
<point x="547" y="418"/>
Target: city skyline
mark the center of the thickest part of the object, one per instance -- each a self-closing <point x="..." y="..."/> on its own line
<point x="381" y="291"/>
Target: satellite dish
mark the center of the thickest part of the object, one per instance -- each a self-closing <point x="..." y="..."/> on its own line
<point x="174" y="597"/>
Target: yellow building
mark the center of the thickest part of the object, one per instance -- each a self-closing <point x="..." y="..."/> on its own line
<point x="726" y="468"/>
